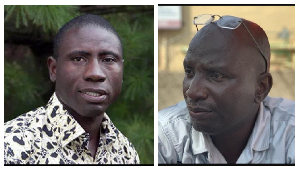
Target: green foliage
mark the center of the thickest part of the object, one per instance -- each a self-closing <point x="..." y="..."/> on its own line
<point x="49" y="17"/>
<point x="133" y="112"/>
<point x="139" y="86"/>
<point x="22" y="87"/>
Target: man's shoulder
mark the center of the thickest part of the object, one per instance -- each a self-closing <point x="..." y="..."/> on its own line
<point x="174" y="122"/>
<point x="280" y="108"/>
<point x="282" y="113"/>
<point x="178" y="112"/>
<point x="282" y="126"/>
<point x="174" y="133"/>
<point x="122" y="139"/>
<point x="25" y="123"/>
<point x="129" y="149"/>
<point x="120" y="143"/>
<point x="20" y="135"/>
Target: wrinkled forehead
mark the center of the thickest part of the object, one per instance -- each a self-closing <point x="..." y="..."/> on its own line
<point x="212" y="38"/>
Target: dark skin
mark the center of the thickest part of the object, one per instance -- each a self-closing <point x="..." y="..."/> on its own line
<point x="88" y="75"/>
<point x="224" y="85"/>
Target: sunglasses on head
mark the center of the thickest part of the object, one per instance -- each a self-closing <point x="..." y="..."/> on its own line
<point x="227" y="22"/>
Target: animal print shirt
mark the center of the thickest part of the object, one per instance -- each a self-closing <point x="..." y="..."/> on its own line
<point x="50" y="135"/>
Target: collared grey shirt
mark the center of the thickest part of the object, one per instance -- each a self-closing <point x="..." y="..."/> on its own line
<point x="272" y="139"/>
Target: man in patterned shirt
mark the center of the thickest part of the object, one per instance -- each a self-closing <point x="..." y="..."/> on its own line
<point x="73" y="128"/>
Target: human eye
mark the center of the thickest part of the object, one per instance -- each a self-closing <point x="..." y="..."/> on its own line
<point x="78" y="59"/>
<point x="109" y="60"/>
<point x="189" y="72"/>
<point x="216" y="76"/>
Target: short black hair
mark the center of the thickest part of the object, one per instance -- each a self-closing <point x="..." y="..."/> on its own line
<point x="81" y="21"/>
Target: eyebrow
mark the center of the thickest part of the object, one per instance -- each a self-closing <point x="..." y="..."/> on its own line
<point x="85" y="53"/>
<point x="79" y="52"/>
<point x="210" y="66"/>
<point x="108" y="53"/>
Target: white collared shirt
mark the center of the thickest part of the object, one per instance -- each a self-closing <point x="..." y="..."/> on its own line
<point x="272" y="139"/>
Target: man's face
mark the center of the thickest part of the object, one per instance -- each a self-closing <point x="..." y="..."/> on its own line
<point x="219" y="84"/>
<point x="89" y="70"/>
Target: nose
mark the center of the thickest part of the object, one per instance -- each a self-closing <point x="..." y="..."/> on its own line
<point x="196" y="89"/>
<point x="94" y="71"/>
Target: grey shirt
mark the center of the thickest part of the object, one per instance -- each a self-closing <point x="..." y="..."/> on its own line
<point x="272" y="139"/>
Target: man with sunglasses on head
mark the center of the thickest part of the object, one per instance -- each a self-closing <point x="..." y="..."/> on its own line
<point x="227" y="115"/>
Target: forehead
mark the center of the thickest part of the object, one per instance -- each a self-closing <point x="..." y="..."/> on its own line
<point x="92" y="37"/>
<point x="218" y="46"/>
<point x="212" y="38"/>
<point x="210" y="46"/>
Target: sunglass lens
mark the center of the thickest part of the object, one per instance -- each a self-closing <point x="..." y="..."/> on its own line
<point x="229" y="22"/>
<point x="203" y="19"/>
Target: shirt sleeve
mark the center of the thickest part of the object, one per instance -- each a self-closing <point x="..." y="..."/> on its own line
<point x="16" y="149"/>
<point x="290" y="157"/>
<point x="18" y="143"/>
<point x="8" y="154"/>
<point x="136" y="158"/>
<point x="166" y="152"/>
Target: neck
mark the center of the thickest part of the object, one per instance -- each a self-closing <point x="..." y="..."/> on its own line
<point x="92" y="126"/>
<point x="232" y="143"/>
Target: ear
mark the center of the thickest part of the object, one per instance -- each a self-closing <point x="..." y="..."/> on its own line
<point x="52" y="65"/>
<point x="265" y="82"/>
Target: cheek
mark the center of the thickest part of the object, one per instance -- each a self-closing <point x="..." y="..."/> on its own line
<point x="116" y="82"/>
<point x="116" y="73"/>
<point x="116" y="85"/>
<point x="234" y="99"/>
<point x="224" y="96"/>
<point x="185" y="87"/>
<point x="66" y="79"/>
<point x="245" y="91"/>
<point x="115" y="78"/>
<point x="66" y="74"/>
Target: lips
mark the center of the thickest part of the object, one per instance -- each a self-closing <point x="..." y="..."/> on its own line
<point x="199" y="112"/>
<point x="93" y="95"/>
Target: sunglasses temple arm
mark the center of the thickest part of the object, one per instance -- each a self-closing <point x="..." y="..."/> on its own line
<point x="256" y="45"/>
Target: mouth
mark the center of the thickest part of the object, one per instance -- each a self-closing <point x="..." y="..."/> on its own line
<point x="93" y="95"/>
<point x="199" y="113"/>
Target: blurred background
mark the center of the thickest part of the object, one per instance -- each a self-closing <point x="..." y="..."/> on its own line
<point x="28" y="42"/>
<point x="176" y="29"/>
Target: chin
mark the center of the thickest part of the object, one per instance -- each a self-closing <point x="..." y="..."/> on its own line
<point x="206" y="129"/>
<point x="91" y="111"/>
<point x="95" y="112"/>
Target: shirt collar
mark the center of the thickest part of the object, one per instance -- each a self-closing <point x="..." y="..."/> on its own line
<point x="258" y="141"/>
<point x="198" y="142"/>
<point x="69" y="129"/>
<point x="260" y="137"/>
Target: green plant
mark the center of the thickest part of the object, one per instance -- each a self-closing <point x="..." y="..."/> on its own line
<point x="49" y="17"/>
<point x="22" y="89"/>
